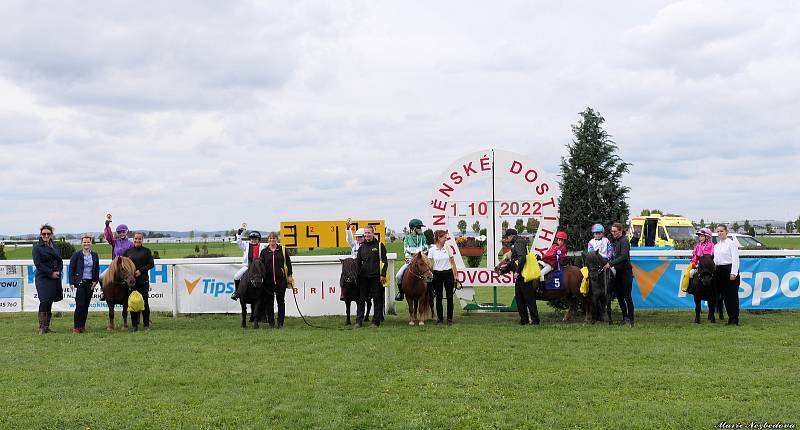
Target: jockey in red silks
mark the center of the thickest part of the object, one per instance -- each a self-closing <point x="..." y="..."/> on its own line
<point x="554" y="256"/>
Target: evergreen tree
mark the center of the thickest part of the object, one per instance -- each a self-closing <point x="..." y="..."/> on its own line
<point x="747" y="226"/>
<point x="3" y="252"/>
<point x="591" y="181"/>
<point x="462" y="226"/>
<point x="736" y="226"/>
<point x="519" y="226"/>
<point x="789" y="227"/>
<point x="532" y="226"/>
<point x="476" y="226"/>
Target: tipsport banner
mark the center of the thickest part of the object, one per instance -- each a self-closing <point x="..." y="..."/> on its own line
<point x="766" y="283"/>
<point x="160" y="299"/>
<point x="10" y="288"/>
<point x="207" y="288"/>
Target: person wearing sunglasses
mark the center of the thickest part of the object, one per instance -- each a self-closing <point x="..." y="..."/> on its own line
<point x="49" y="268"/>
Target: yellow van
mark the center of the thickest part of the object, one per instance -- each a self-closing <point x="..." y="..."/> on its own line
<point x="659" y="231"/>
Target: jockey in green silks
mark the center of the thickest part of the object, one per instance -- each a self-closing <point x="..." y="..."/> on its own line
<point x="413" y="242"/>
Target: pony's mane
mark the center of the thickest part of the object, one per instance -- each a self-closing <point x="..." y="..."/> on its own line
<point x="349" y="264"/>
<point x="592" y="258"/>
<point x="421" y="256"/>
<point x="127" y="265"/>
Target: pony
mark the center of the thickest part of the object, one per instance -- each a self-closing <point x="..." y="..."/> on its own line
<point x="570" y="292"/>
<point x="252" y="292"/>
<point x="116" y="287"/>
<point x="702" y="288"/>
<point x="348" y="282"/>
<point x="600" y="288"/>
<point x="415" y="287"/>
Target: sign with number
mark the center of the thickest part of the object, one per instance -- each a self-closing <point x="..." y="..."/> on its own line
<point x="10" y="293"/>
<point x="324" y="234"/>
<point x="482" y="194"/>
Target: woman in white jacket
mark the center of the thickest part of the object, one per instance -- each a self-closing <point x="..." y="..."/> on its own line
<point x="250" y="252"/>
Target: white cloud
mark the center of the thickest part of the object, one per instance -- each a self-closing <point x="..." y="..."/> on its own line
<point x="203" y="115"/>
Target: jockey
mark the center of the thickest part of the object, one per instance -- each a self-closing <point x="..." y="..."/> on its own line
<point x="703" y="247"/>
<point x="250" y="252"/>
<point x="119" y="242"/>
<point x="600" y="243"/>
<point x="354" y="243"/>
<point x="554" y="256"/>
<point x="413" y="242"/>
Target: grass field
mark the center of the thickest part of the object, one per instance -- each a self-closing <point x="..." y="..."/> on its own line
<point x="485" y="372"/>
<point x="781" y="242"/>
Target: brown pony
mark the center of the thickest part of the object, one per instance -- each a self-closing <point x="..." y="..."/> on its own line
<point x="571" y="291"/>
<point x="117" y="284"/>
<point x="415" y="287"/>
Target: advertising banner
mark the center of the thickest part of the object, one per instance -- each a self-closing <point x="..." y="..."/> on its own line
<point x="160" y="291"/>
<point x="10" y="288"/>
<point x="766" y="283"/>
<point x="206" y="288"/>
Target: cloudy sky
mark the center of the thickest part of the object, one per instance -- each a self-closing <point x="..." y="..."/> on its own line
<point x="181" y="115"/>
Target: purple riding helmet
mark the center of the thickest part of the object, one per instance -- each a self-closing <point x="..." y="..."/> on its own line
<point x="122" y="227"/>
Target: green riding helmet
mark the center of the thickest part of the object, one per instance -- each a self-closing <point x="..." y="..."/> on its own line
<point x="415" y="223"/>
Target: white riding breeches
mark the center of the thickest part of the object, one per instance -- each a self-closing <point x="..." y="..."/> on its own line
<point x="239" y="274"/>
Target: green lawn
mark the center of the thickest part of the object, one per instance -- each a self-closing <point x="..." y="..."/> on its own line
<point x="780" y="242"/>
<point x="484" y="372"/>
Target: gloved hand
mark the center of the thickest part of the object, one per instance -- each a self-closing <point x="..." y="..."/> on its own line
<point x="108" y="221"/>
<point x="692" y="273"/>
<point x="239" y="232"/>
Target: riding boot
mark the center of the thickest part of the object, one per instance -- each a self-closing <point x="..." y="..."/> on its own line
<point x="47" y="323"/>
<point x="399" y="296"/>
<point x="42" y="319"/>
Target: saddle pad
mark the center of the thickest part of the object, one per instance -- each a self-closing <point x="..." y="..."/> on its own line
<point x="554" y="280"/>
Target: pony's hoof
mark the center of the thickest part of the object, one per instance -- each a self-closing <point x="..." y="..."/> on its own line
<point x="110" y="328"/>
<point x="411" y="323"/>
<point x="422" y="323"/>
<point x="347" y="323"/>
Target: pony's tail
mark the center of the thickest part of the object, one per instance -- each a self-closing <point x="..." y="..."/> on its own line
<point x="425" y="312"/>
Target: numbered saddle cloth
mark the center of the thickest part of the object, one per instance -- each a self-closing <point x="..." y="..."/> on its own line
<point x="554" y="280"/>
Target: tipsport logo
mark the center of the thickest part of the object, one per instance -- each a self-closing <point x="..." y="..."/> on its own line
<point x="211" y="286"/>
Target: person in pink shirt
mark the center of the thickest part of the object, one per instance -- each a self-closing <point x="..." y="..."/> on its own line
<point x="703" y="247"/>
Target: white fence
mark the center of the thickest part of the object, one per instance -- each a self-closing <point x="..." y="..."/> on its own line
<point x="197" y="285"/>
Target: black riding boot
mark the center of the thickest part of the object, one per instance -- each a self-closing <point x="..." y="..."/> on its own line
<point x="42" y="320"/>
<point x="399" y="296"/>
<point x="47" y="323"/>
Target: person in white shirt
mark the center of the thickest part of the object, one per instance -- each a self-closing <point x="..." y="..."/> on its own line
<point x="443" y="278"/>
<point x="354" y="243"/>
<point x="726" y="274"/>
<point x="250" y="252"/>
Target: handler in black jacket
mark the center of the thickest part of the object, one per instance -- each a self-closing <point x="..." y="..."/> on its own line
<point x="623" y="279"/>
<point x="143" y="260"/>
<point x="524" y="293"/>
<point x="372" y="265"/>
<point x="277" y="278"/>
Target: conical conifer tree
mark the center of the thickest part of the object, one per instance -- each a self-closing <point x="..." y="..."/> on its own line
<point x="591" y="181"/>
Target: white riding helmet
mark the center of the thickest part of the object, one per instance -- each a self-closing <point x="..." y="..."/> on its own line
<point x="360" y="232"/>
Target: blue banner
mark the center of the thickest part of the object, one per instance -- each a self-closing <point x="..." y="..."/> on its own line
<point x="766" y="283"/>
<point x="10" y="288"/>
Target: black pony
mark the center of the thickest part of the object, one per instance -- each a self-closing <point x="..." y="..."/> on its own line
<point x="251" y="290"/>
<point x="702" y="287"/>
<point x="599" y="285"/>
<point x="348" y="282"/>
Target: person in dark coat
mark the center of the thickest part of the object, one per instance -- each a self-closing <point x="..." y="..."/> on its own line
<point x="277" y="278"/>
<point x="372" y="265"/>
<point x="143" y="260"/>
<point x="84" y="268"/>
<point x="623" y="278"/>
<point x="524" y="292"/>
<point x="49" y="268"/>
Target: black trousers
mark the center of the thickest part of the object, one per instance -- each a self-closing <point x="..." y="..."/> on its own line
<point x="275" y="293"/>
<point x="370" y="287"/>
<point x="83" y="296"/>
<point x="623" y="284"/>
<point x="443" y="281"/>
<point x="525" y="295"/>
<point x="144" y="290"/>
<point x="45" y="306"/>
<point x="729" y="290"/>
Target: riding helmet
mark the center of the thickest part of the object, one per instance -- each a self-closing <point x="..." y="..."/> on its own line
<point x="510" y="232"/>
<point x="562" y="235"/>
<point x="705" y="231"/>
<point x="254" y="235"/>
<point x="597" y="228"/>
<point x="122" y="227"/>
<point x="360" y="232"/>
<point x="415" y="223"/>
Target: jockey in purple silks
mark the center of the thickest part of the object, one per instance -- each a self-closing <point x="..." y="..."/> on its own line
<point x="120" y="244"/>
